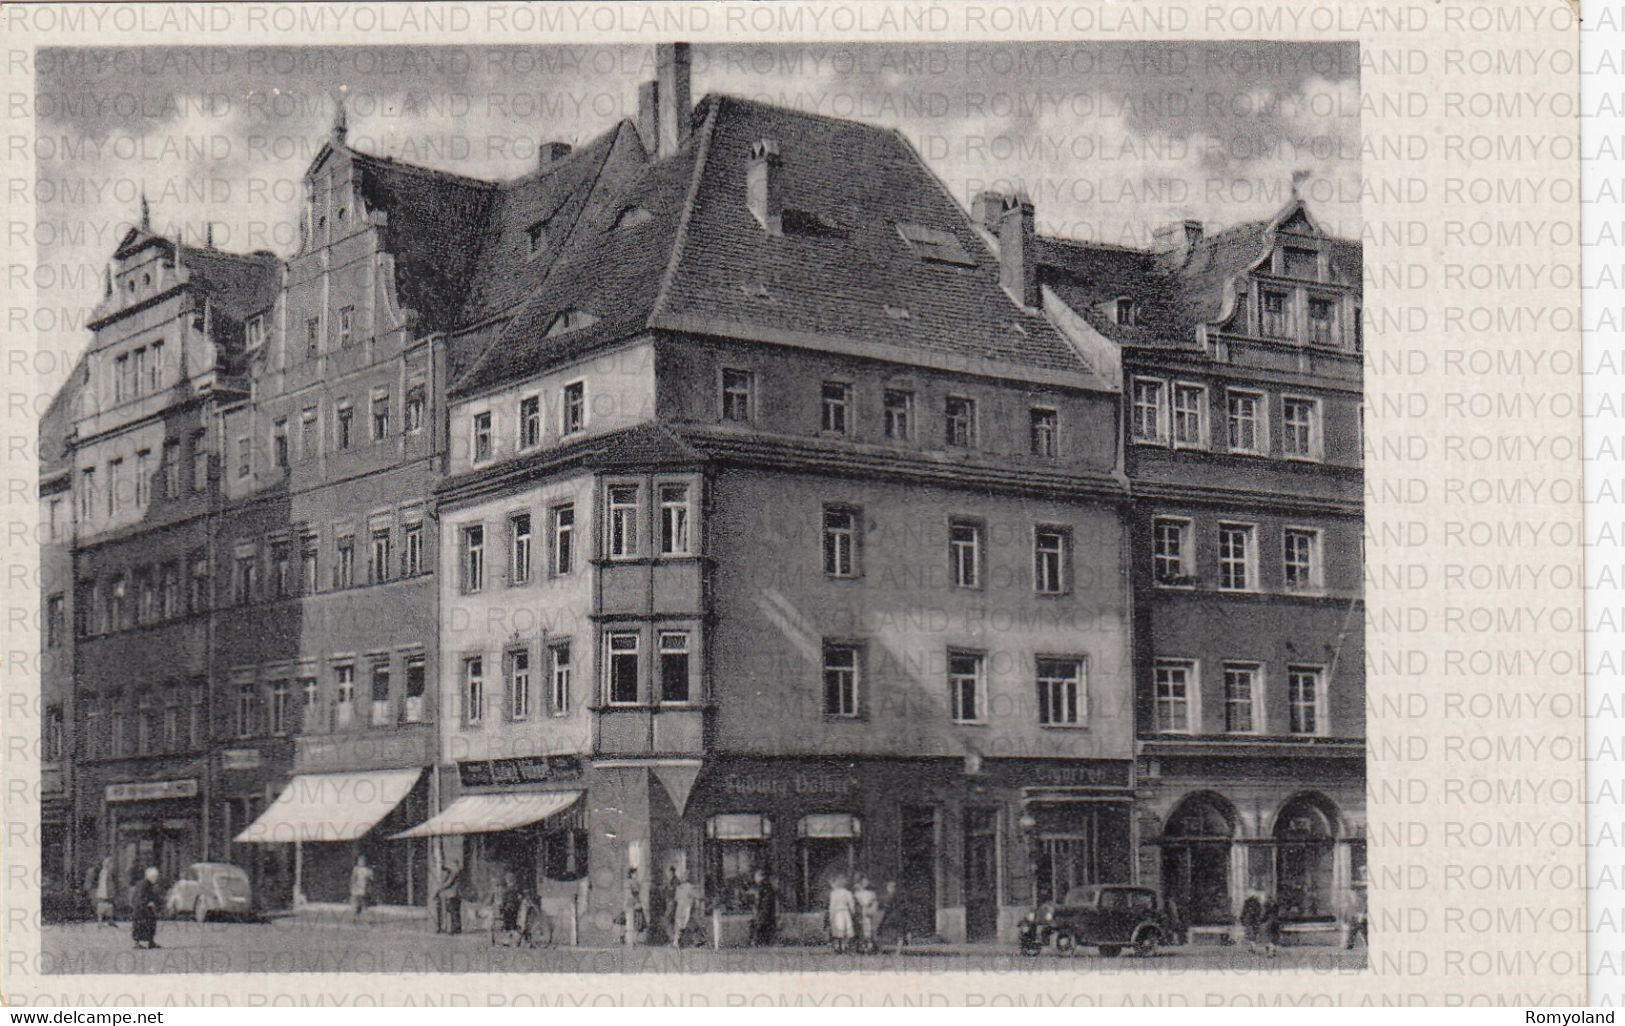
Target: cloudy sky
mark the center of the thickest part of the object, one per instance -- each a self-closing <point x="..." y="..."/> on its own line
<point x="1110" y="139"/>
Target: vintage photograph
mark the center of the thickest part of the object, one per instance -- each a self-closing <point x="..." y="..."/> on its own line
<point x="695" y="508"/>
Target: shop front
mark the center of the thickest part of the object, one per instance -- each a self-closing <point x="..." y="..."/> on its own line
<point x="964" y="846"/>
<point x="154" y="823"/>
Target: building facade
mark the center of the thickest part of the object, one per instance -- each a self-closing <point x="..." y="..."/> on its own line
<point x="718" y="499"/>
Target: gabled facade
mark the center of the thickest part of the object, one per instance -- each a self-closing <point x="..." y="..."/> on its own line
<point x="1242" y="393"/>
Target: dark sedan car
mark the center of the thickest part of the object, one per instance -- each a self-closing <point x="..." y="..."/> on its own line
<point x="1109" y="917"/>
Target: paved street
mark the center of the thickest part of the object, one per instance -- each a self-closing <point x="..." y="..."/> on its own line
<point x="306" y="945"/>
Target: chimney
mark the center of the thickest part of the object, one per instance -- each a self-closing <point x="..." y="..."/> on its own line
<point x="648" y="117"/>
<point x="675" y="109"/>
<point x="1018" y="251"/>
<point x="1177" y="240"/>
<point x="550" y="153"/>
<point x="987" y="208"/>
<point x="764" y="186"/>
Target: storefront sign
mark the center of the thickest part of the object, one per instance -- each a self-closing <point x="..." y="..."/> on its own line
<point x="536" y="769"/>
<point x="240" y="759"/>
<point x="782" y="784"/>
<point x="152" y="790"/>
<point x="1071" y="774"/>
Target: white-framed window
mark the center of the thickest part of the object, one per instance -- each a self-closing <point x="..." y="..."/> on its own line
<point x="1300" y="427"/>
<point x="1306" y="700"/>
<point x="87" y="493"/>
<point x="519" y="684"/>
<point x="1275" y="313"/>
<point x="473" y="689"/>
<point x="1190" y="416"/>
<point x="143" y="479"/>
<point x="675" y="521"/>
<point x="254" y="331"/>
<point x="966" y="686"/>
<point x="561" y="670"/>
<point x="473" y="558"/>
<point x="1323" y="321"/>
<point x="248" y="704"/>
<point x="416" y="687"/>
<point x="623" y="521"/>
<point x="1052" y="552"/>
<point x="1148" y="416"/>
<point x="1177" y="711"/>
<point x="675" y="667"/>
<point x="1248" y="425"/>
<point x="842" y="530"/>
<point x="965" y="553"/>
<point x="344" y="561"/>
<point x="343" y="695"/>
<point x="1043" y="424"/>
<point x="344" y="426"/>
<point x="415" y="399"/>
<point x="346" y="326"/>
<point x="530" y="422"/>
<point x="380" y="416"/>
<point x="1300" y="559"/>
<point x="310" y="707"/>
<point x="1172" y="557"/>
<point x="842" y="678"/>
<point x="836" y="409"/>
<point x="899" y="414"/>
<point x="480" y="442"/>
<point x="1062" y="691"/>
<point x="381" y="556"/>
<point x="1243" y="698"/>
<point x="564" y="547"/>
<point x="412" y="550"/>
<point x="737" y="388"/>
<point x="380" y="694"/>
<point x="1237" y="558"/>
<point x="573" y="408"/>
<point x="621" y="671"/>
<point x="959" y="421"/>
<point x="519" y="548"/>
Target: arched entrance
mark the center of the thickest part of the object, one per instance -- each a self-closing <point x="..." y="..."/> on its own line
<point x="1306" y="831"/>
<point x="1196" y="844"/>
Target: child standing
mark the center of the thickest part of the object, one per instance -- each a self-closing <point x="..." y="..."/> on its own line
<point x="841" y="908"/>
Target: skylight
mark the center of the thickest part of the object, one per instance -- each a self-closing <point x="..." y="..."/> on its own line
<point x="631" y="217"/>
<point x="568" y="321"/>
<point x="934" y="244"/>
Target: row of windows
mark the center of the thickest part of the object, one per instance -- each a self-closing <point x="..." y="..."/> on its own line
<point x="525" y="692"/>
<point x="1178" y="698"/>
<point x="383" y="563"/>
<point x="1176" y="413"/>
<point x="572" y="420"/>
<point x="521" y="565"/>
<point x="152" y="722"/>
<point x="1060" y="683"/>
<point x="304" y="441"/>
<point x="138" y="372"/>
<point x="1173" y="556"/>
<point x="128" y="484"/>
<point x="300" y="703"/>
<point x="141" y="597"/>
<point x="838" y="413"/>
<point x="843" y="530"/>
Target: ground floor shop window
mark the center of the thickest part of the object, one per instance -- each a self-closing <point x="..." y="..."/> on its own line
<point x="1305" y="841"/>
<point x="1196" y="844"/>
<point x="828" y="845"/>
<point x="736" y="845"/>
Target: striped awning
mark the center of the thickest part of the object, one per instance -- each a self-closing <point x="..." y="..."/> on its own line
<point x="330" y="806"/>
<point x="493" y="813"/>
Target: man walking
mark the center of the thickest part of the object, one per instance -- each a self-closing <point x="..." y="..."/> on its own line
<point x="451" y="900"/>
<point x="360" y="885"/>
<point x="684" y="898"/>
<point x="144" y="900"/>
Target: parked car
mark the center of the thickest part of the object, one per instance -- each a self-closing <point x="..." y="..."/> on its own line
<point x="1109" y="917"/>
<point x="210" y="888"/>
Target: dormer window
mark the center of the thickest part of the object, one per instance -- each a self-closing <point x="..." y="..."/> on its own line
<point x="1297" y="262"/>
<point x="1122" y="311"/>
<point x="570" y="320"/>
<point x="934" y="245"/>
<point x="146" y="279"/>
<point x="631" y="217"/>
<point x="254" y="331"/>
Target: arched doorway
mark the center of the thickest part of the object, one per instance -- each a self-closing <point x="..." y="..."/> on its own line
<point x="1196" y="844"/>
<point x="1306" y="831"/>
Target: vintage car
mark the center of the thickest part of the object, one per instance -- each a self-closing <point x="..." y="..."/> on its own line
<point x="210" y="888"/>
<point x="1109" y="917"/>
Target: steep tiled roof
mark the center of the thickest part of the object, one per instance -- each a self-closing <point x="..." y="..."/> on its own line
<point x="433" y="232"/>
<point x="1085" y="275"/>
<point x="237" y="284"/>
<point x="842" y="268"/>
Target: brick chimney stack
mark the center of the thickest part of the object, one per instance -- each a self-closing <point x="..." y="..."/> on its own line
<point x="676" y="107"/>
<point x="1018" y="251"/>
<point x="764" y="186"/>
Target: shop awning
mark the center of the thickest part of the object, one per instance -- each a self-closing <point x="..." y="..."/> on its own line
<point x="493" y="813"/>
<point x="330" y="806"/>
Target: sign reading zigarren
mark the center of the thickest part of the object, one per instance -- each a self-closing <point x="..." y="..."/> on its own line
<point x="152" y="790"/>
<point x="530" y="770"/>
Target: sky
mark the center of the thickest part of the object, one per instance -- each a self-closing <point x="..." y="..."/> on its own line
<point x="1109" y="139"/>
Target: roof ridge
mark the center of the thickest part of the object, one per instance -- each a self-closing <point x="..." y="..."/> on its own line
<point x="558" y="255"/>
<point x="401" y="165"/>
<point x="679" y="242"/>
<point x="798" y="112"/>
<point x="1115" y="247"/>
<point x="209" y="251"/>
<point x="542" y="172"/>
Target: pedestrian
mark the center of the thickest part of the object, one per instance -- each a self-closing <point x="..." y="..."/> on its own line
<point x="145" y="898"/>
<point x="1252" y="920"/>
<point x="103" y="894"/>
<point x="890" y="928"/>
<point x="451" y="900"/>
<point x="1359" y="920"/>
<point x="841" y="910"/>
<point x="509" y="902"/>
<point x="632" y="912"/>
<point x="867" y="904"/>
<point x="360" y="885"/>
<point x="1271" y="927"/>
<point x="668" y="902"/>
<point x="684" y="898"/>
<point x="764" y="909"/>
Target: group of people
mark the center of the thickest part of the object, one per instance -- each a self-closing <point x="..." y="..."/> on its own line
<point x="679" y="900"/>
<point x="145" y="897"/>
<point x="857" y="919"/>
<point x="1261" y="921"/>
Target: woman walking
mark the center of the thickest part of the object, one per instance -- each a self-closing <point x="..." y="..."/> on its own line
<point x="144" y="901"/>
